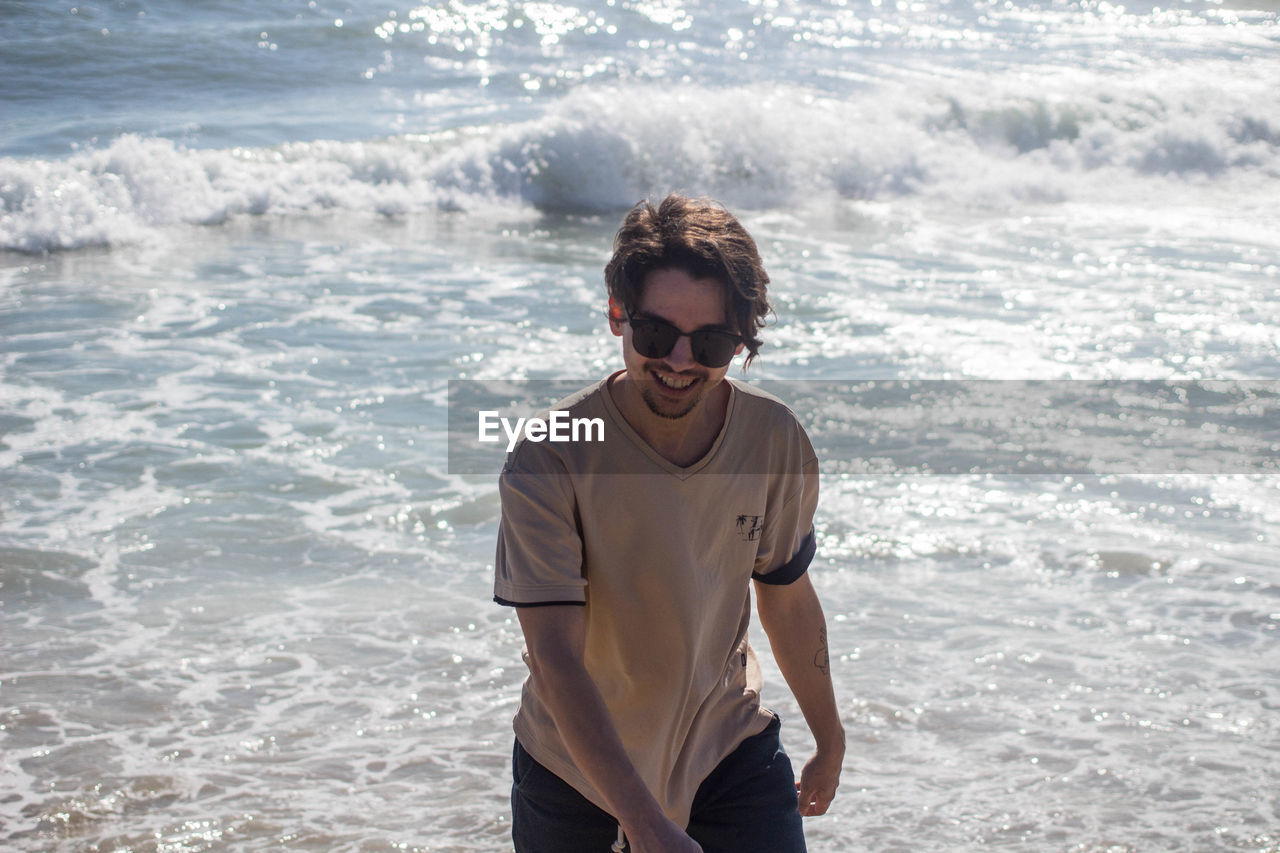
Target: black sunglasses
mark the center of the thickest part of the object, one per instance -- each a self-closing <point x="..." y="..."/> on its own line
<point x="654" y="338"/>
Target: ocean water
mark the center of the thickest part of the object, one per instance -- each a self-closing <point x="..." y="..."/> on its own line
<point x="246" y="247"/>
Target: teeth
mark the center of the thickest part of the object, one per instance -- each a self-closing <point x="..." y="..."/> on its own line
<point x="671" y="382"/>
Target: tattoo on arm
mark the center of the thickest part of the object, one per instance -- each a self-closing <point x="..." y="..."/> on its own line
<point x="822" y="659"/>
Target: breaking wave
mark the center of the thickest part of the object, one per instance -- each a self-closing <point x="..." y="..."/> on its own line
<point x="755" y="147"/>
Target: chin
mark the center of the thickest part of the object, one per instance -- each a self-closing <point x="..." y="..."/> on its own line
<point x="672" y="410"/>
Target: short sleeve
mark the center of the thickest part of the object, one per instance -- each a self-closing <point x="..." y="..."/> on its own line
<point x="789" y="544"/>
<point x="539" y="553"/>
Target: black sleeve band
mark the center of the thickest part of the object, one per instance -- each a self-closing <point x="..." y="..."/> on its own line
<point x="506" y="603"/>
<point x="794" y="569"/>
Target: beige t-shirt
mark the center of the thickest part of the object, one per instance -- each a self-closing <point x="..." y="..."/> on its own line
<point x="662" y="557"/>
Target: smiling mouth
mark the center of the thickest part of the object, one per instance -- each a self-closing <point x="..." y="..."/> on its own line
<point x="675" y="383"/>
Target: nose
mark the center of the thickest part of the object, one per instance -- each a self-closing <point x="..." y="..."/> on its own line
<point x="681" y="357"/>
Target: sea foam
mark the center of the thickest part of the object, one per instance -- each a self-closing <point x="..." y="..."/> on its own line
<point x="755" y="147"/>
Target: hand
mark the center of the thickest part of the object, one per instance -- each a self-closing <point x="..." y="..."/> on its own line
<point x="665" y="837"/>
<point x="818" y="782"/>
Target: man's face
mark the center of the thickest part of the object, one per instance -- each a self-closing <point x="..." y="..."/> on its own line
<point x="673" y="386"/>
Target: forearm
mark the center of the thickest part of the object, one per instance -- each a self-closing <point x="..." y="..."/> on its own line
<point x="555" y="637"/>
<point x="797" y="630"/>
<point x="792" y="617"/>
<point x="584" y="723"/>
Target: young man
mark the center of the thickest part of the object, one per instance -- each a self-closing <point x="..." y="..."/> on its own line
<point x="630" y="563"/>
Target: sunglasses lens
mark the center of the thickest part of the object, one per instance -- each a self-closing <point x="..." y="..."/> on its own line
<point x="713" y="349"/>
<point x="653" y="340"/>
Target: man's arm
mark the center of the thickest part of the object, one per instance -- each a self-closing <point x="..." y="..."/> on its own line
<point x="556" y="638"/>
<point x="792" y="618"/>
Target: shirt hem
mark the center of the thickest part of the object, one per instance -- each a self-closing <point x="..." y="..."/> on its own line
<point x="505" y="603"/>
<point x="792" y="570"/>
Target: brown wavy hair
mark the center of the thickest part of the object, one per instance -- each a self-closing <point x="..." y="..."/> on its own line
<point x="699" y="237"/>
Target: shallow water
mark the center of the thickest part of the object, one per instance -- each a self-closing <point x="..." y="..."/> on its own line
<point x="246" y="602"/>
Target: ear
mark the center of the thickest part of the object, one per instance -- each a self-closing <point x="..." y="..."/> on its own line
<point x="616" y="319"/>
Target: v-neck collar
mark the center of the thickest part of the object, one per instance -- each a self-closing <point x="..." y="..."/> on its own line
<point x="657" y="458"/>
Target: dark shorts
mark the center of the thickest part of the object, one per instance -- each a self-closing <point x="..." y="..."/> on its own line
<point x="747" y="805"/>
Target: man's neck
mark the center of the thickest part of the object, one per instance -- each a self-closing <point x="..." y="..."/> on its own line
<point x="681" y="441"/>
